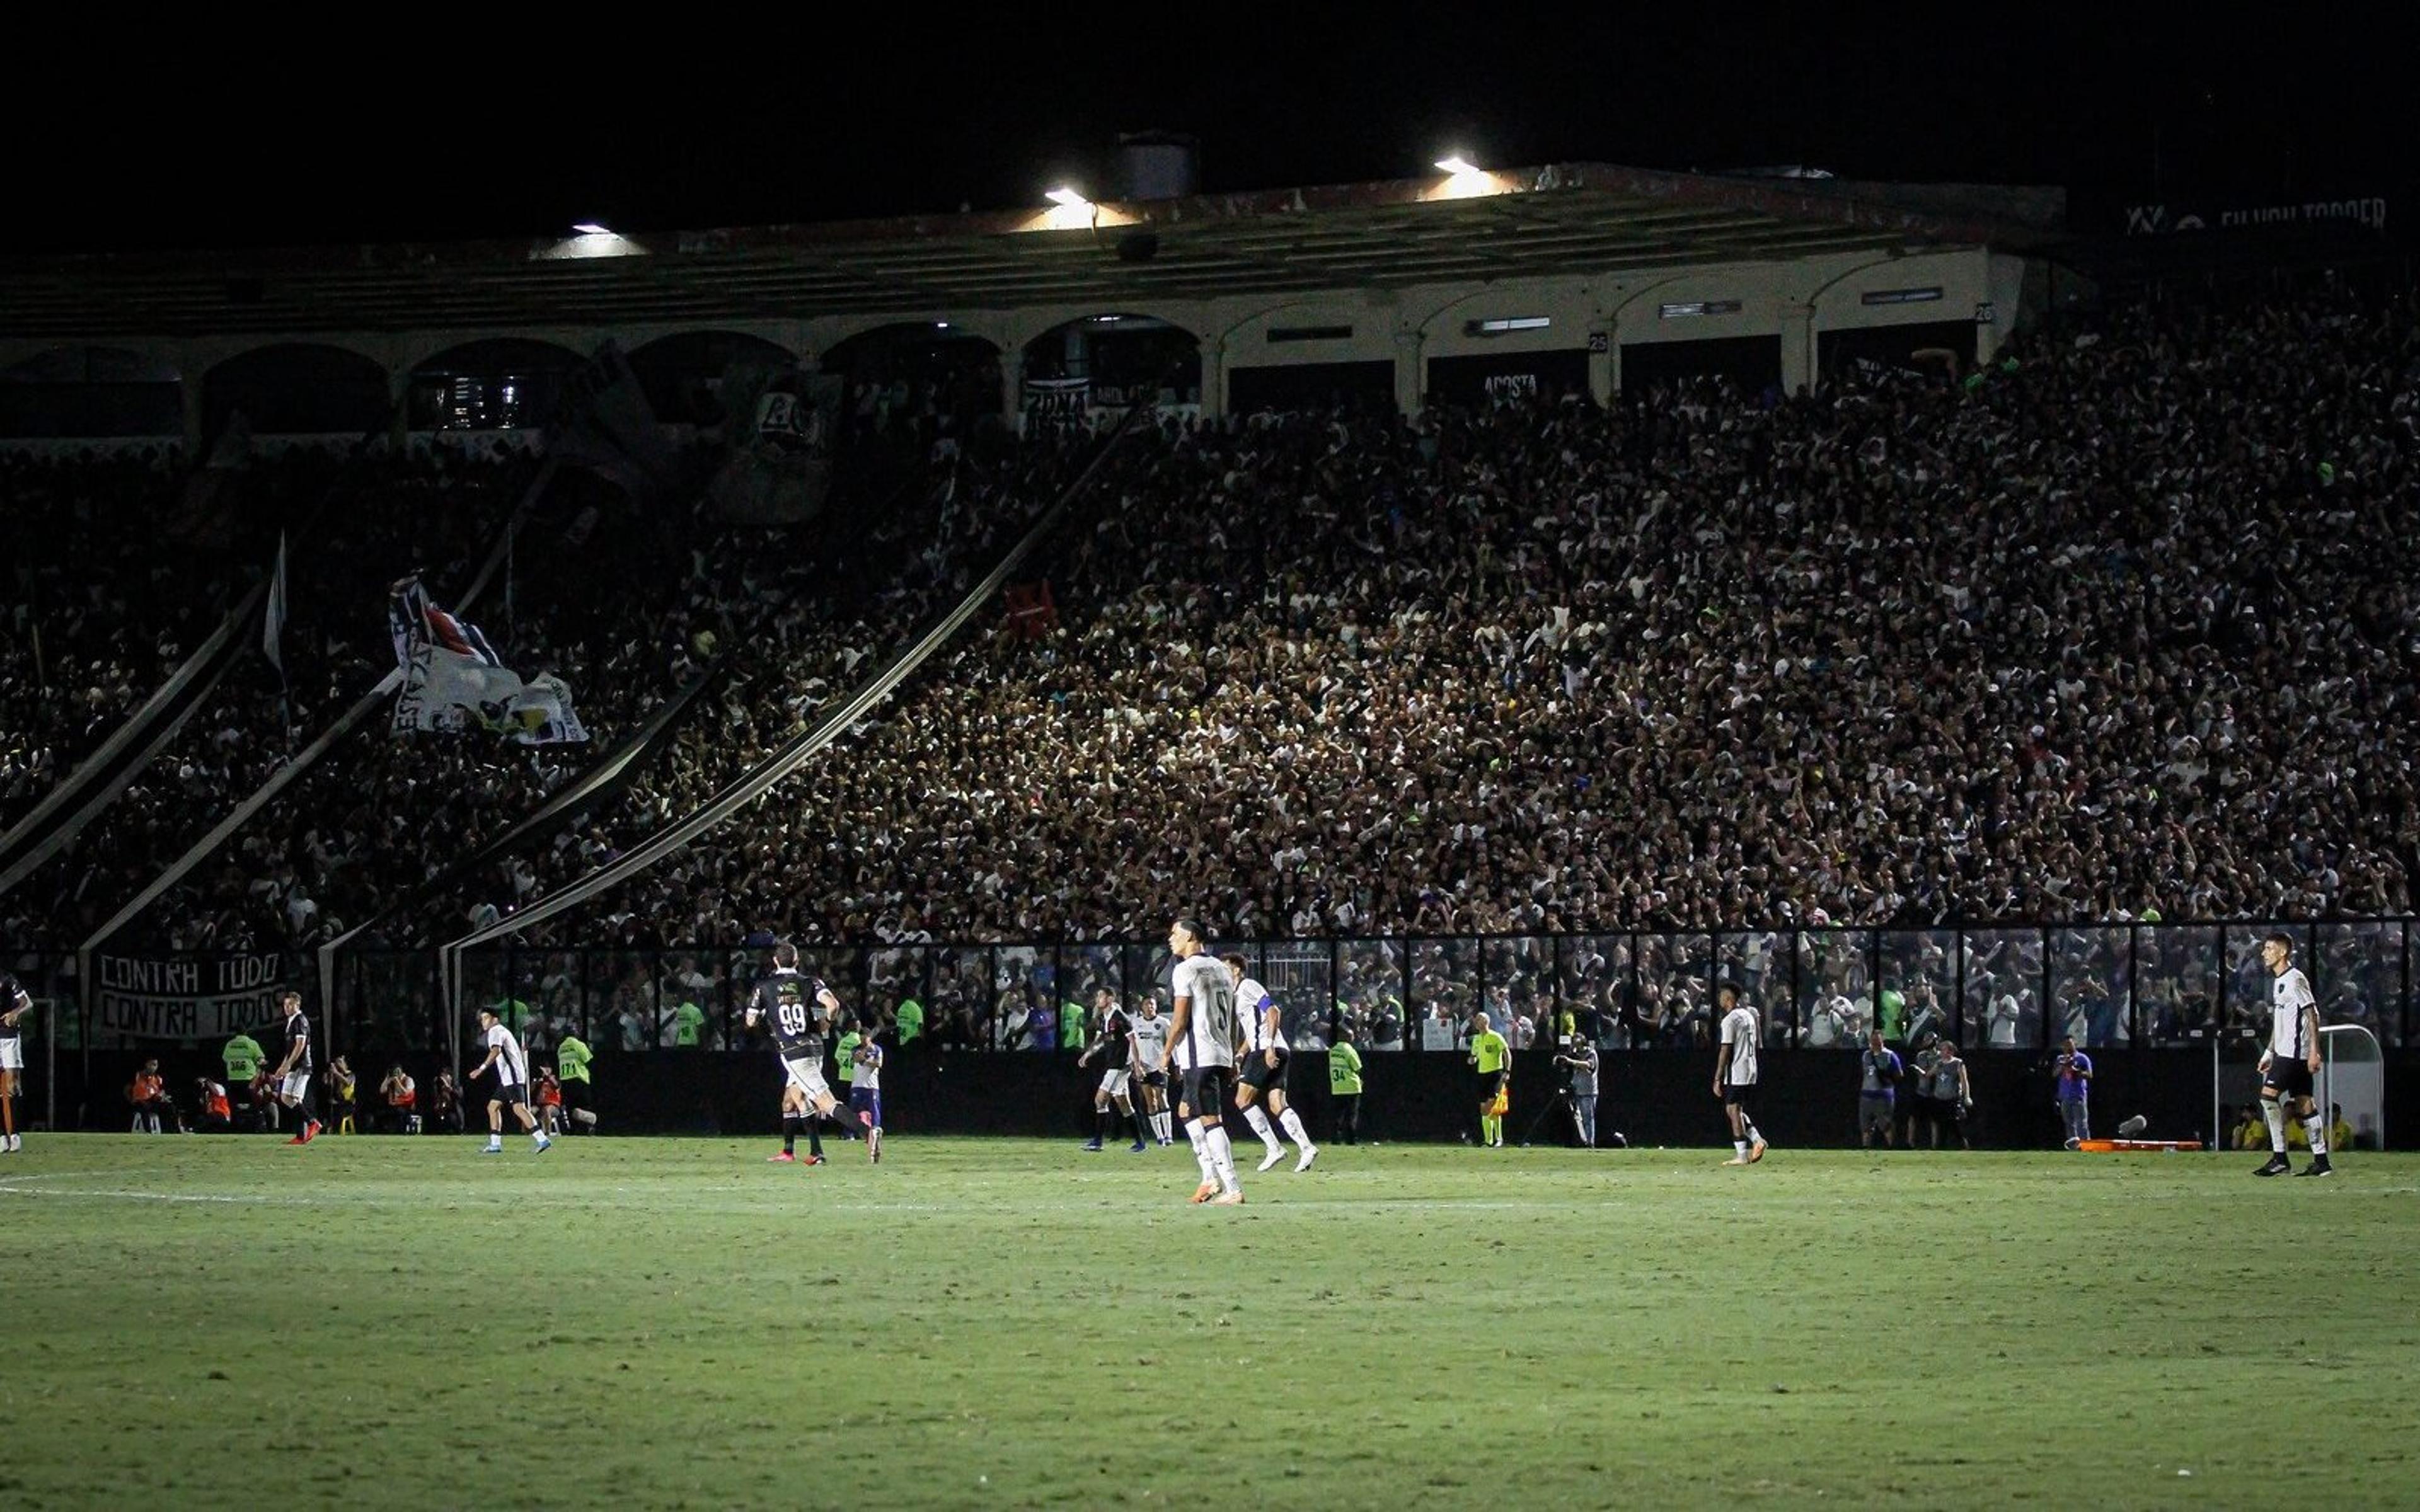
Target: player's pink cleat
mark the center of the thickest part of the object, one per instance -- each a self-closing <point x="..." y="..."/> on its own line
<point x="784" y="1158"/>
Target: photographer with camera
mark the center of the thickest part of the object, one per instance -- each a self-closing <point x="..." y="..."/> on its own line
<point x="1576" y="1060"/>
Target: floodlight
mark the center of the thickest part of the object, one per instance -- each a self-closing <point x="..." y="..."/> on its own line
<point x="1456" y="165"/>
<point x="590" y="228"/>
<point x="1063" y="195"/>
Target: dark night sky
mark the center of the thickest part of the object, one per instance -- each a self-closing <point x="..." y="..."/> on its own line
<point x="516" y="134"/>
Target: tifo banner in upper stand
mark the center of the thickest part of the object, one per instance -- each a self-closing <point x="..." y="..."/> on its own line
<point x="777" y="432"/>
<point x="186" y="997"/>
<point x="454" y="680"/>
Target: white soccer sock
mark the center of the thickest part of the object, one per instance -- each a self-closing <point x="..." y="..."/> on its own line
<point x="1754" y="1137"/>
<point x="2275" y="1116"/>
<point x="1739" y="1145"/>
<point x="2317" y="1128"/>
<point x="1260" y="1122"/>
<point x="1201" y="1150"/>
<point x="1222" y="1158"/>
<point x="1292" y="1122"/>
<point x="1160" y="1125"/>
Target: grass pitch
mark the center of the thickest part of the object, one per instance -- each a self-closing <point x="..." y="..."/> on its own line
<point x="658" y="1322"/>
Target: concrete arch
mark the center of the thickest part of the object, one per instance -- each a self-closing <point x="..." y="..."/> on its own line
<point x="1124" y="356"/>
<point x="490" y="384"/>
<point x="298" y="388"/>
<point x="682" y="373"/>
<point x="83" y="391"/>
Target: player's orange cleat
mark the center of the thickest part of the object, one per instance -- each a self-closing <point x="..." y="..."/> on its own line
<point x="812" y="1160"/>
<point x="1755" y="1152"/>
<point x="1205" y="1191"/>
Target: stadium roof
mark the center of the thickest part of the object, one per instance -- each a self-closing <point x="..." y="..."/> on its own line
<point x="1560" y="220"/>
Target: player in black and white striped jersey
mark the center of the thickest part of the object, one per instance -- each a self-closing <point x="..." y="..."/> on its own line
<point x="294" y="1071"/>
<point x="512" y="1084"/>
<point x="1149" y="1056"/>
<point x="2291" y="1060"/>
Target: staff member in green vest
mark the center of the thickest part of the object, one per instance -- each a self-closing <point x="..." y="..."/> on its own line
<point x="1344" y="1089"/>
<point x="845" y="1051"/>
<point x="242" y="1058"/>
<point x="571" y="1057"/>
<point x="1490" y="1064"/>
<point x="911" y="1021"/>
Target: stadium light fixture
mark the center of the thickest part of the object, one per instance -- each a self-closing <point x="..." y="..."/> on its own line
<point x="590" y="228"/>
<point x="1457" y="165"/>
<point x="1066" y="197"/>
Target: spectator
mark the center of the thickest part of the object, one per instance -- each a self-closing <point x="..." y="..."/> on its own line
<point x="2074" y="1092"/>
<point x="1577" y="1061"/>
<point x="1878" y="1068"/>
<point x="445" y="1103"/>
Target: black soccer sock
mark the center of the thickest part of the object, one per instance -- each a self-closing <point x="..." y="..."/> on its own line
<point x="1134" y="1115"/>
<point x="814" y="1140"/>
<point x="789" y="1133"/>
<point x="1101" y="1125"/>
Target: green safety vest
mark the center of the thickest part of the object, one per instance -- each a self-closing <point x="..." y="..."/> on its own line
<point x="571" y="1059"/>
<point x="686" y="1019"/>
<point x="912" y="1020"/>
<point x="242" y="1059"/>
<point x="846" y="1052"/>
<point x="1344" y="1070"/>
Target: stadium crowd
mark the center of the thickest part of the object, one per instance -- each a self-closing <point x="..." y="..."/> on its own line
<point x="2119" y="629"/>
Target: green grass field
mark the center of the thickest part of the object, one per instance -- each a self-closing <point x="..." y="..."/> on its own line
<point x="198" y="1321"/>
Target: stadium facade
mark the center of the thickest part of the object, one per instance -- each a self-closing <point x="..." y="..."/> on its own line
<point x="1570" y="274"/>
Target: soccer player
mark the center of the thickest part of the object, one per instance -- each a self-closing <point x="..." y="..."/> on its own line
<point x="2290" y="1061"/>
<point x="1491" y="1065"/>
<point x="866" y="1093"/>
<point x="1263" y="1057"/>
<point x="1201" y="1037"/>
<point x="512" y="1084"/>
<point x="294" y="1071"/>
<point x="15" y="1003"/>
<point x="800" y="1011"/>
<point x="1735" y="1074"/>
<point x="1113" y="1044"/>
<point x="1150" y="1032"/>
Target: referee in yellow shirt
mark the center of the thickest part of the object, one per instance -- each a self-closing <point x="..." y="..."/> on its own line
<point x="1490" y="1064"/>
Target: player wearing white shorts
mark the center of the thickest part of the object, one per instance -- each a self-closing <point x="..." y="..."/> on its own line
<point x="294" y="1071"/>
<point x="512" y="1084"/>
<point x="15" y="1003"/>
<point x="2291" y="1060"/>
<point x="1735" y="1074"/>
<point x="1262" y="1057"/>
<point x="800" y="1011"/>
<point x="1150" y="1057"/>
<point x="1112" y="1041"/>
<point x="1202" y="1039"/>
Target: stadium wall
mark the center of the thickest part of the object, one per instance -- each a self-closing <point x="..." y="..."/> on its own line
<point x="1598" y="314"/>
<point x="1807" y="1098"/>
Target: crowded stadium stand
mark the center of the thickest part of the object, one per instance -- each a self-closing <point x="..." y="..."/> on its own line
<point x="1547" y="591"/>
